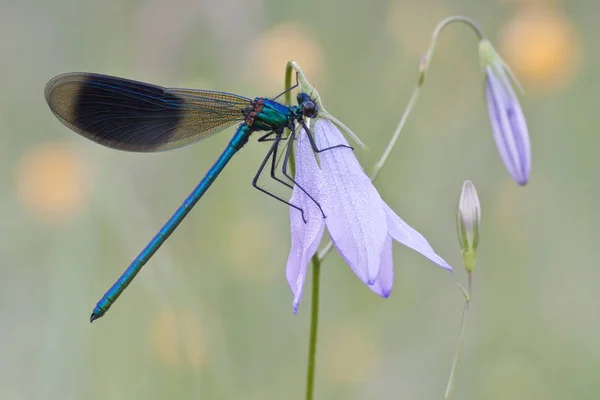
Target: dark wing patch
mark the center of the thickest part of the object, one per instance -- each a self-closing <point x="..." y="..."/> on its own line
<point x="136" y="116"/>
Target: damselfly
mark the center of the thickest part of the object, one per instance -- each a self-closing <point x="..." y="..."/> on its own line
<point x="135" y="116"/>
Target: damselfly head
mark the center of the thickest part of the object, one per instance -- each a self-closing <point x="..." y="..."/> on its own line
<point x="309" y="107"/>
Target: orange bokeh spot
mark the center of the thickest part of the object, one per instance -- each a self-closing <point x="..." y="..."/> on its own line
<point x="50" y="181"/>
<point x="542" y="46"/>
<point x="177" y="339"/>
<point x="284" y="42"/>
<point x="411" y="24"/>
<point x="350" y="354"/>
<point x="164" y="338"/>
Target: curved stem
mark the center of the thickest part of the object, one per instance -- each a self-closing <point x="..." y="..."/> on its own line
<point x="306" y="87"/>
<point x="463" y="326"/>
<point x="426" y="59"/>
<point x="456" y="18"/>
<point x="314" y="322"/>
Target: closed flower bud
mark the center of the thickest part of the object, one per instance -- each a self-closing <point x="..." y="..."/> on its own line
<point x="468" y="221"/>
<point x="506" y="116"/>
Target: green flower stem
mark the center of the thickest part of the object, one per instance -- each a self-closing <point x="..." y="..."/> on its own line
<point x="314" y="323"/>
<point x="288" y="82"/>
<point x="463" y="325"/>
<point x="306" y="87"/>
<point x="458" y="18"/>
<point x="388" y="150"/>
<point x="287" y="99"/>
<point x="426" y="59"/>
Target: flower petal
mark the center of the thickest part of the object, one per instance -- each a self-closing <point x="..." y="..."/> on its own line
<point x="385" y="280"/>
<point x="354" y="218"/>
<point x="305" y="236"/>
<point x="508" y="124"/>
<point x="405" y="234"/>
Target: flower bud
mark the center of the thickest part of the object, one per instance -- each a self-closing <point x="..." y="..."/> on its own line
<point x="506" y="116"/>
<point x="468" y="220"/>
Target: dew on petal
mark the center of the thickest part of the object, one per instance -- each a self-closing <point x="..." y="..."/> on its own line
<point x="307" y="227"/>
<point x="355" y="218"/>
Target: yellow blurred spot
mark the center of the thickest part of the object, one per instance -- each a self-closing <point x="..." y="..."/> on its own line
<point x="349" y="354"/>
<point x="193" y="340"/>
<point x="273" y="49"/>
<point x="412" y="23"/>
<point x="178" y="339"/>
<point x="532" y="2"/>
<point x="51" y="181"/>
<point x="164" y="338"/>
<point x="249" y="259"/>
<point x="542" y="47"/>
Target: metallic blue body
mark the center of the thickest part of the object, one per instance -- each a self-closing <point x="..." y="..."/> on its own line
<point x="237" y="141"/>
<point x="273" y="116"/>
<point x="135" y="116"/>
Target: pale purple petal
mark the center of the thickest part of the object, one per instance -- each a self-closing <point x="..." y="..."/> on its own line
<point x="355" y="219"/>
<point x="306" y="236"/>
<point x="405" y="234"/>
<point x="384" y="282"/>
<point x="508" y="124"/>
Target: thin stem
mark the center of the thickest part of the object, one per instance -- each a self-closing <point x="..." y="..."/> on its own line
<point x="288" y="83"/>
<point x="426" y="59"/>
<point x="388" y="150"/>
<point x="456" y="18"/>
<point x="314" y="322"/>
<point x="306" y="87"/>
<point x="288" y="101"/>
<point x="470" y="287"/>
<point x="463" y="326"/>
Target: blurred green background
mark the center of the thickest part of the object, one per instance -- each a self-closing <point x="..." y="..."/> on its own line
<point x="211" y="315"/>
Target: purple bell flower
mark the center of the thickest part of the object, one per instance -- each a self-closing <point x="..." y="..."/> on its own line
<point x="360" y="223"/>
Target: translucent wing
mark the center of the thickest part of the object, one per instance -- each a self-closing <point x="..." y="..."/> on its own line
<point x="136" y="116"/>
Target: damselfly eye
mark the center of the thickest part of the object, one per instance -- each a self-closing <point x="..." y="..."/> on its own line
<point x="309" y="109"/>
<point x="302" y="97"/>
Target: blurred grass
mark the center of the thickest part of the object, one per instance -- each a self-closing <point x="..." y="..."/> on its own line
<point x="210" y="316"/>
